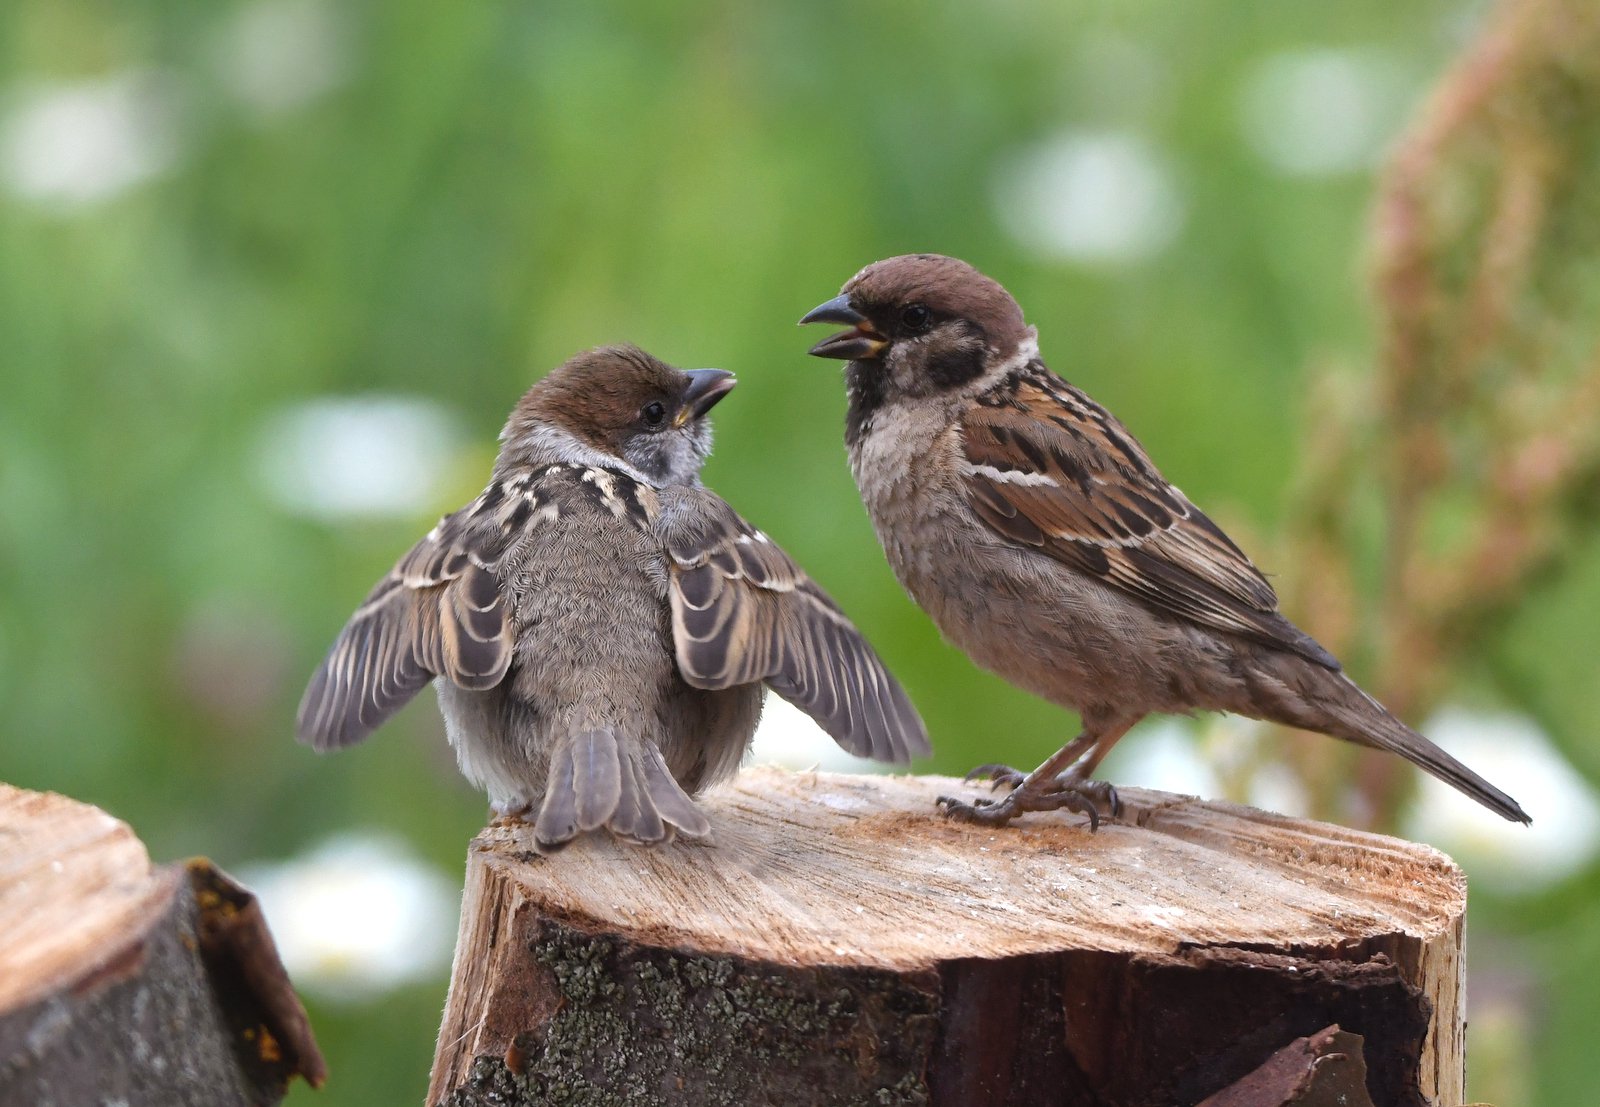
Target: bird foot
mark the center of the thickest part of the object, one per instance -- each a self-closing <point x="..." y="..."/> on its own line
<point x="1094" y="798"/>
<point x="1100" y="792"/>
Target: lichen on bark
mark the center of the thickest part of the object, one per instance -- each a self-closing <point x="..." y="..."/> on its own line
<point x="638" y="1027"/>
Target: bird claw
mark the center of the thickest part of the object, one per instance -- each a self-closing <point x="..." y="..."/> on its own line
<point x="1087" y="797"/>
<point x="987" y="812"/>
<point x="1102" y="794"/>
<point x="981" y="811"/>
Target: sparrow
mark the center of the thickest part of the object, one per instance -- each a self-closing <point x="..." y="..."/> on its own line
<point x="1043" y="541"/>
<point x="598" y="625"/>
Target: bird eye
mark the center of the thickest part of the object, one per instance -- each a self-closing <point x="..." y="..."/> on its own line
<point x="653" y="413"/>
<point x="916" y="318"/>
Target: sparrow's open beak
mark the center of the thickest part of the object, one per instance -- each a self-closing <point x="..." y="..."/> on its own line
<point x="861" y="341"/>
<point x="706" y="387"/>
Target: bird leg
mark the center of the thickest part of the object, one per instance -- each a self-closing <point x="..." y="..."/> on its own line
<point x="1078" y="777"/>
<point x="1006" y="776"/>
<point x="1061" y="782"/>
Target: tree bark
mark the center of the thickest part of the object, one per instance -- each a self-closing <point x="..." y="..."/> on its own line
<point x="839" y="942"/>
<point x="130" y="984"/>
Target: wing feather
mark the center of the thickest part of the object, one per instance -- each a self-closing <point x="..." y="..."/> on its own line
<point x="1048" y="468"/>
<point x="743" y="611"/>
<point x="441" y="611"/>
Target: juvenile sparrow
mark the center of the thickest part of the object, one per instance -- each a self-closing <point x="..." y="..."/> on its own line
<point x="1034" y="529"/>
<point x="598" y="625"/>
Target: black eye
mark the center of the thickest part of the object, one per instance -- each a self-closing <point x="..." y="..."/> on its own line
<point x="915" y="318"/>
<point x="653" y="413"/>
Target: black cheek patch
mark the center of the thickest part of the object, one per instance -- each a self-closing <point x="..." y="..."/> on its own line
<point x="952" y="366"/>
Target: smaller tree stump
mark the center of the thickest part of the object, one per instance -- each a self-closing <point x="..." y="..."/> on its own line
<point x="129" y="984"/>
<point x="839" y="942"/>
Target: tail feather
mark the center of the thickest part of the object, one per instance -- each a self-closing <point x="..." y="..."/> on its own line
<point x="1339" y="707"/>
<point x="557" y="823"/>
<point x="596" y="777"/>
<point x="598" y="780"/>
<point x="636" y="818"/>
<point x="669" y="799"/>
<point x="1388" y="732"/>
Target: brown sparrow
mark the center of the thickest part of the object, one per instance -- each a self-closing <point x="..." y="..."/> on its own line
<point x="598" y="625"/>
<point x="1041" y="538"/>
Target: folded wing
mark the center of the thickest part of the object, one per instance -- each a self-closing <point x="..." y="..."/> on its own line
<point x="1053" y="470"/>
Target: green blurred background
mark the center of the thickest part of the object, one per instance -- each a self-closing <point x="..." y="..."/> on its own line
<point x="271" y="275"/>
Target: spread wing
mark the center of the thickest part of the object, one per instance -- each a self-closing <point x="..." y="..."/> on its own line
<point x="743" y="611"/>
<point x="439" y="612"/>
<point x="1049" y="468"/>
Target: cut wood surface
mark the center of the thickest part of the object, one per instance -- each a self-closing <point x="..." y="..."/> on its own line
<point x="838" y="941"/>
<point x="123" y="982"/>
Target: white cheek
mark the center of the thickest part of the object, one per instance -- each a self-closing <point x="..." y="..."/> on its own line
<point x="899" y="363"/>
<point x="675" y="457"/>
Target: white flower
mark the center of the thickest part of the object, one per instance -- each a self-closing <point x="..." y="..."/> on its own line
<point x="373" y="456"/>
<point x="1103" y="197"/>
<point x="74" y="144"/>
<point x="278" y="55"/>
<point x="1516" y="756"/>
<point x="357" y="916"/>
<point x="1163" y="753"/>
<point x="1321" y="112"/>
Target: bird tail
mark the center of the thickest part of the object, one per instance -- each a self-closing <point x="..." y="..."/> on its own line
<point x="600" y="779"/>
<point x="1331" y="702"/>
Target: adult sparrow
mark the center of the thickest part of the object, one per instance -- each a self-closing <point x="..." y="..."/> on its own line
<point x="1041" y="538"/>
<point x="598" y="625"/>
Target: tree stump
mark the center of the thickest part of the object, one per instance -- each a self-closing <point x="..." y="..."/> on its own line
<point x="839" y="942"/>
<point x="129" y="984"/>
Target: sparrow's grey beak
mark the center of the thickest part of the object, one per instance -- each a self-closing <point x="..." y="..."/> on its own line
<point x="706" y="387"/>
<point x="861" y="341"/>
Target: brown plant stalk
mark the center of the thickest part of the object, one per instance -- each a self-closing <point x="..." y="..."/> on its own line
<point x="1480" y="437"/>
